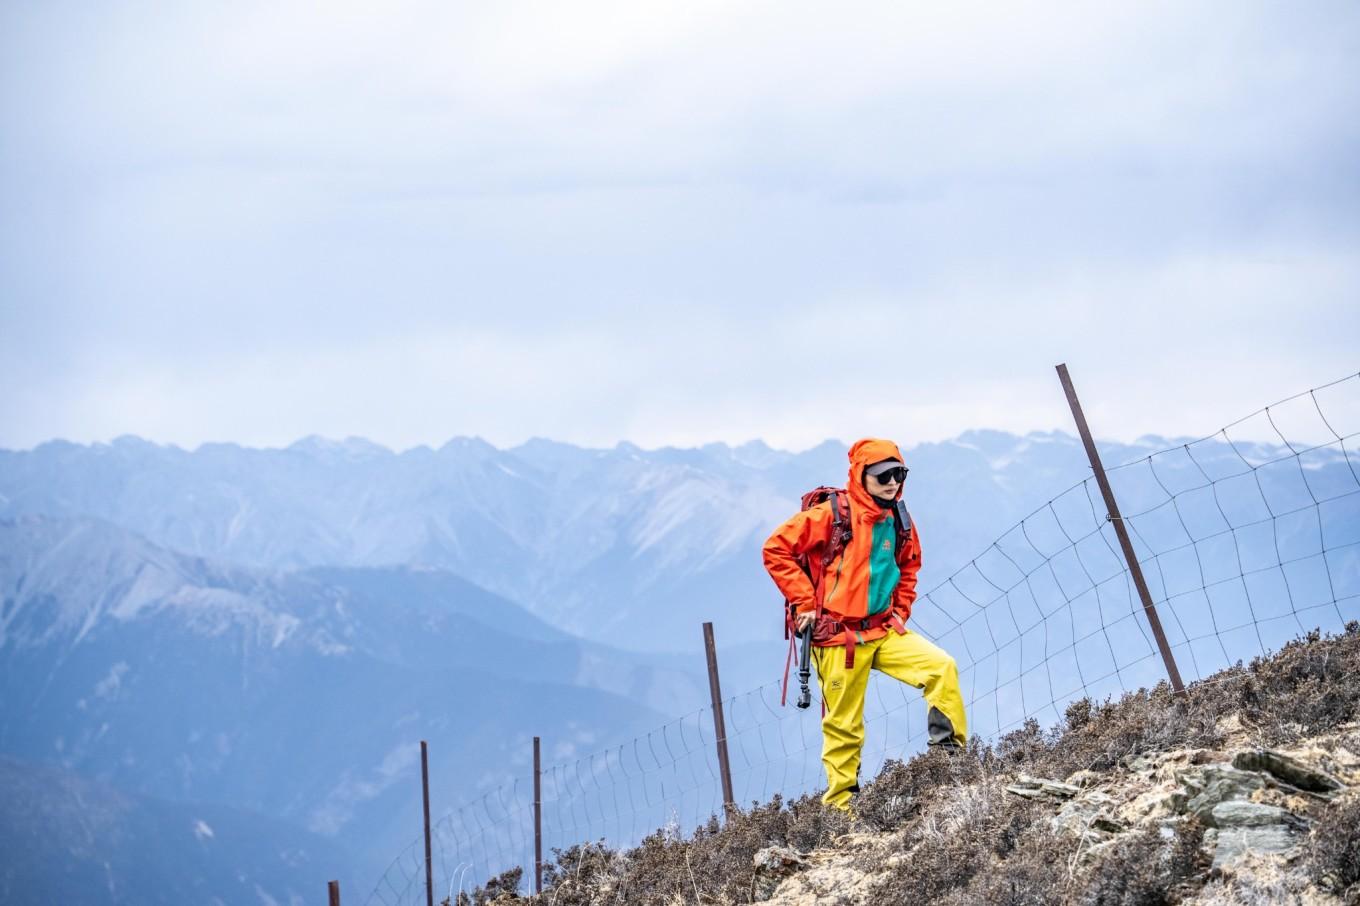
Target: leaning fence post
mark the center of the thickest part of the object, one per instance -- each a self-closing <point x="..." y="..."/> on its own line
<point x="719" y="726"/>
<point x="538" y="821"/>
<point x="1135" y="569"/>
<point x="333" y="888"/>
<point x="425" y="787"/>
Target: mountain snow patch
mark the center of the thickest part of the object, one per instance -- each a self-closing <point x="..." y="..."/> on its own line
<point x="215" y="611"/>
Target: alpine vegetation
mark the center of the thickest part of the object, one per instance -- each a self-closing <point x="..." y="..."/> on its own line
<point x="1245" y="790"/>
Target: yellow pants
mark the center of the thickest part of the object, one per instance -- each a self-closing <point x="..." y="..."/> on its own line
<point x="909" y="658"/>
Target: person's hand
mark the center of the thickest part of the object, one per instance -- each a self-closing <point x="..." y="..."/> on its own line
<point x="805" y="619"/>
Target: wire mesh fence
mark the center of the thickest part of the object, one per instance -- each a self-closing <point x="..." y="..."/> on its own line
<point x="1245" y="545"/>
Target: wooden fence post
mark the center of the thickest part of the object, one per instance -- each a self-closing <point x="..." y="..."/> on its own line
<point x="1135" y="570"/>
<point x="538" y="820"/>
<point x="425" y="786"/>
<point x="719" y="725"/>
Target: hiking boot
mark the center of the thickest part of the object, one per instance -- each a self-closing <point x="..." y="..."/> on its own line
<point x="939" y="729"/>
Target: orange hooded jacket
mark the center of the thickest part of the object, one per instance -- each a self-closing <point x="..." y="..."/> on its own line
<point x="848" y="576"/>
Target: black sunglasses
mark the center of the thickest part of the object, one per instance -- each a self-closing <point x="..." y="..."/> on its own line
<point x="898" y="474"/>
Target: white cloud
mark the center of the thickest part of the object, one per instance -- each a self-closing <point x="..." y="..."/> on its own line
<point x="604" y="220"/>
<point x="1153" y="352"/>
<point x="110" y="685"/>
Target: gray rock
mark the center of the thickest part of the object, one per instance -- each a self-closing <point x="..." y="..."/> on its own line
<point x="1287" y="770"/>
<point x="779" y="859"/>
<point x="1231" y="843"/>
<point x="773" y="864"/>
<point x="1240" y="813"/>
<point x="1208" y="785"/>
<point x="1029" y="792"/>
<point x="1084" y="777"/>
<point x="1036" y="787"/>
<point x="1107" y="825"/>
<point x="1059" y="790"/>
<point x="1086" y="818"/>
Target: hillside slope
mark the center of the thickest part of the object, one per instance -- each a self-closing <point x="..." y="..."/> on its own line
<point x="1245" y="791"/>
<point x="299" y="695"/>
<point x="70" y="839"/>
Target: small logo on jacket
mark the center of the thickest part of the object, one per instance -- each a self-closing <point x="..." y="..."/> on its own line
<point x="836" y="683"/>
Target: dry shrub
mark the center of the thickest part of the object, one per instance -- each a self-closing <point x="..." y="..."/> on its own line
<point x="1145" y="869"/>
<point x="903" y="789"/>
<point x="1305" y="688"/>
<point x="723" y="857"/>
<point x="966" y="830"/>
<point x="716" y="865"/>
<point x="1302" y="689"/>
<point x="1334" y="848"/>
<point x="1100" y="737"/>
<point x="504" y="888"/>
<point x="811" y="824"/>
<point x="657" y="871"/>
<point x="1245" y="884"/>
<point x="1033" y="873"/>
<point x="583" y="874"/>
<point x="1078" y="713"/>
<point x="1026" y="748"/>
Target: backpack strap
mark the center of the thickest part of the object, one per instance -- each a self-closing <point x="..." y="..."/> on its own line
<point x="788" y="661"/>
<point x="841" y="532"/>
<point x="902" y="519"/>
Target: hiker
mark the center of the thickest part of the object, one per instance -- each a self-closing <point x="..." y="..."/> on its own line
<point x="858" y="604"/>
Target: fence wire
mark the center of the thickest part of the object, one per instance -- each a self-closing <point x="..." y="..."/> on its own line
<point x="1245" y="545"/>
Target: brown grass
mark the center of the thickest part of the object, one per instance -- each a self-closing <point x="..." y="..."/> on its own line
<point x="964" y="840"/>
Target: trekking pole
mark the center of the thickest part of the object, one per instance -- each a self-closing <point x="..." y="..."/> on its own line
<point x="805" y="667"/>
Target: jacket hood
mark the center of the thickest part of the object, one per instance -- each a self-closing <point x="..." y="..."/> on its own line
<point x="865" y="453"/>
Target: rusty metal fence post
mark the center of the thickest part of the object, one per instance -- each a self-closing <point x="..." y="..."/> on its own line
<point x="1135" y="570"/>
<point x="538" y="820"/>
<point x="333" y="888"/>
<point x="719" y="725"/>
<point x="425" y="787"/>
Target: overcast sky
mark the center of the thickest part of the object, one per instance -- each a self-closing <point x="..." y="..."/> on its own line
<point x="670" y="223"/>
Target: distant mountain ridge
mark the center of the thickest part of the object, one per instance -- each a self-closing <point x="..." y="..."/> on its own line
<point x="581" y="537"/>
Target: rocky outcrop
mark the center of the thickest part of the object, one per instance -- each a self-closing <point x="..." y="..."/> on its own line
<point x="1244" y="791"/>
<point x="1254" y="802"/>
<point x="1255" y="807"/>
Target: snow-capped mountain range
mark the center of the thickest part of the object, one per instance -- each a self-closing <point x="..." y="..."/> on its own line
<point x="585" y="539"/>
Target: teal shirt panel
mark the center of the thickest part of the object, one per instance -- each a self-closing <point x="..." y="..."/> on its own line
<point x="883" y="569"/>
